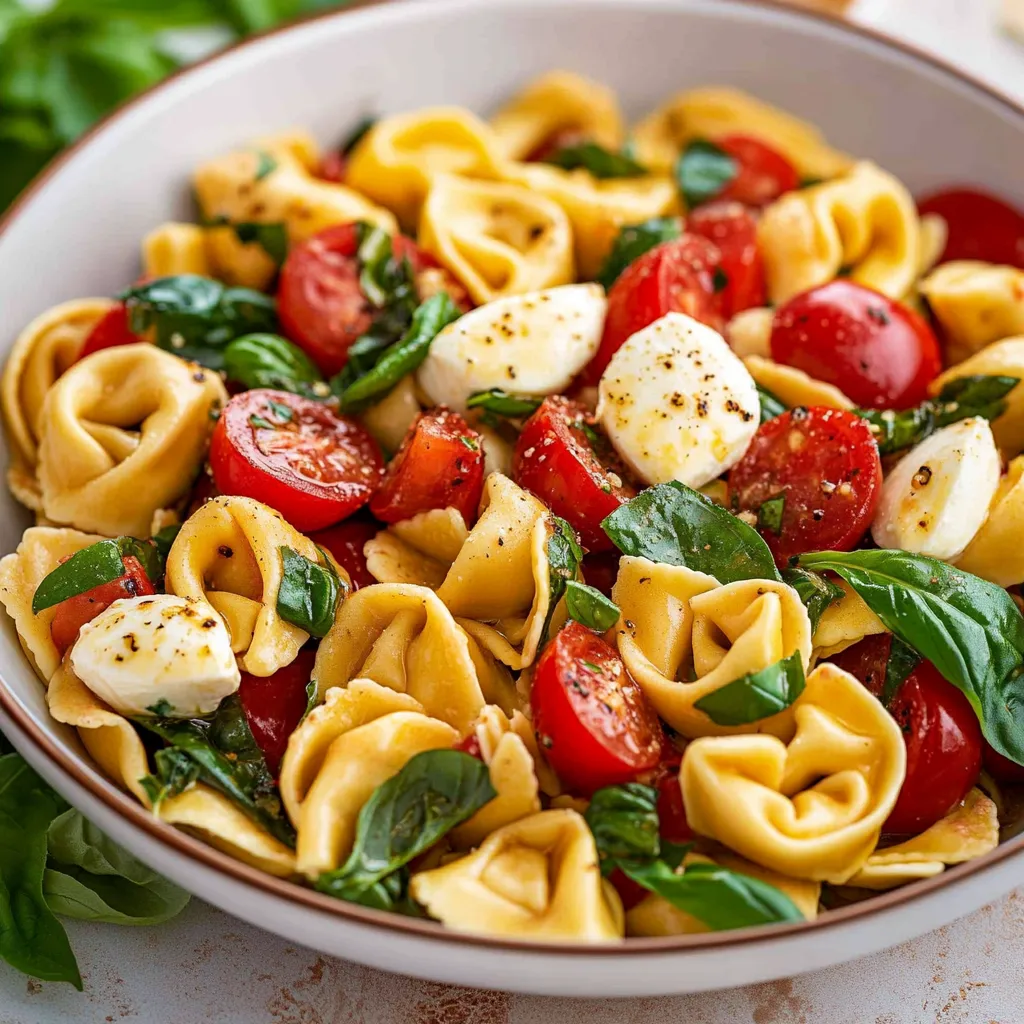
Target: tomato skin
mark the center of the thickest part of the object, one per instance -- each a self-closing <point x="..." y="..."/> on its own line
<point x="763" y="173"/>
<point x="345" y="542"/>
<point x="563" y="138"/>
<point x="595" y="726"/>
<point x="274" y="705"/>
<point x="876" y="351"/>
<point x="980" y="226"/>
<point x="333" y="166"/>
<point x="555" y="460"/>
<point x="1001" y="768"/>
<point x="733" y="229"/>
<point x="71" y="615"/>
<point x="110" y="331"/>
<point x="439" y="465"/>
<point x="315" y="468"/>
<point x="600" y="569"/>
<point x="826" y="464"/>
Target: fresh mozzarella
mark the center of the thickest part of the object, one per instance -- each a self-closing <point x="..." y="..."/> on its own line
<point x="158" y="651"/>
<point x="677" y="403"/>
<point x="937" y="496"/>
<point x="532" y="344"/>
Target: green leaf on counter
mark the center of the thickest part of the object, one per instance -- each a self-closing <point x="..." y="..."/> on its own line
<point x="756" y="695"/>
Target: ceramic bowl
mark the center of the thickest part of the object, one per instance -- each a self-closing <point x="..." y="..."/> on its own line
<point x="76" y="233"/>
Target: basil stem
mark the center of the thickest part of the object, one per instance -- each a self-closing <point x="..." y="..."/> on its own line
<point x="270" y="361"/>
<point x="309" y="592"/>
<point x="702" y="171"/>
<point x="633" y="241"/>
<point x="756" y="695"/>
<point x="598" y="161"/>
<point x="590" y="607"/>
<point x="501" y="403"/>
<point x="817" y="592"/>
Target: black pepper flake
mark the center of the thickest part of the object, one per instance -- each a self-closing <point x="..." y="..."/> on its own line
<point x="225" y="551"/>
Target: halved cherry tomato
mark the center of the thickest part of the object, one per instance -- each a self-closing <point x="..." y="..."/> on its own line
<point x="1002" y="769"/>
<point x="676" y="276"/>
<point x="440" y="465"/>
<point x="824" y="464"/>
<point x="293" y="454"/>
<point x="71" y="615"/>
<point x="980" y="226"/>
<point x="878" y="352"/>
<point x="345" y="541"/>
<point x="555" y="459"/>
<point x="940" y="729"/>
<point x="592" y="719"/>
<point x="740" y="278"/>
<point x="763" y="173"/>
<point x="110" y="331"/>
<point x="274" y="705"/>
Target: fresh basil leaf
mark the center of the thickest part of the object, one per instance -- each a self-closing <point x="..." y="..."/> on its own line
<point x="375" y="256"/>
<point x="702" y="171"/>
<point x="968" y="628"/>
<point x="270" y="361"/>
<point x="271" y="237"/>
<point x="624" y="821"/>
<point x="674" y="524"/>
<point x="401" y="357"/>
<point x="769" y="515"/>
<point x="501" y="403"/>
<point x="564" y="559"/>
<point x="817" y="592"/>
<point x="598" y="161"/>
<point x="308" y="595"/>
<point x="587" y="605"/>
<point x="902" y="660"/>
<point x="357" y="135"/>
<point x="175" y="770"/>
<point x="164" y="539"/>
<point x="633" y="241"/>
<point x="435" y="791"/>
<point x="265" y="164"/>
<point x="770" y="405"/>
<point x="756" y="695"/>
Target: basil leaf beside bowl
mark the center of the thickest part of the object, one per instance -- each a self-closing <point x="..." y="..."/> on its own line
<point x="756" y="695"/>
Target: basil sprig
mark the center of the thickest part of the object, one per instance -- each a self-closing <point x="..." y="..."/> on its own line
<point x="435" y="791"/>
<point x="564" y="559"/>
<point x="633" y="241"/>
<point x="196" y="317"/>
<point x="600" y="162"/>
<point x="309" y="592"/>
<point x="703" y="170"/>
<point x="817" y="592"/>
<point x="674" y="524"/>
<point x="175" y="772"/>
<point x="756" y="695"/>
<point x="770" y="405"/>
<point x="587" y="605"/>
<point x="497" y="403"/>
<point x="968" y="628"/>
<point x="270" y="361"/>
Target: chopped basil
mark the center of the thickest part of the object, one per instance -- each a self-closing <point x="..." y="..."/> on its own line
<point x="312" y="697"/>
<point x="624" y="821"/>
<point x="756" y="695"/>
<point x="309" y="592"/>
<point x="703" y="170"/>
<point x="633" y="241"/>
<point x="271" y="237"/>
<point x="469" y="443"/>
<point x="500" y="403"/>
<point x="902" y="660"/>
<point x="270" y="361"/>
<point x="265" y="164"/>
<point x="564" y="558"/>
<point x="770" y="405"/>
<point x="769" y="515"/>
<point x="810" y="182"/>
<point x="261" y="422"/>
<point x="817" y="592"/>
<point x="589" y="606"/>
<point x="280" y="410"/>
<point x="357" y="135"/>
<point x="719" y="280"/>
<point x="162" y="708"/>
<point x="175" y="772"/>
<point x="163" y="540"/>
<point x="598" y="161"/>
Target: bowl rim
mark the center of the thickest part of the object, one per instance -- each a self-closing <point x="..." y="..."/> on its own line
<point x="86" y="775"/>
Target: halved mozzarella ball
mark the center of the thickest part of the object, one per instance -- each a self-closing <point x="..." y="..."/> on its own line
<point x="677" y="403"/>
<point x="937" y="496"/>
<point x="159" y="652"/>
<point x="532" y="344"/>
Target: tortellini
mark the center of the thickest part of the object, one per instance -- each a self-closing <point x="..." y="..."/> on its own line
<point x="122" y="434"/>
<point x="537" y="878"/>
<point x="175" y="249"/>
<point x="675" y="620"/>
<point x="865" y="221"/>
<point x="844" y="622"/>
<point x="995" y="553"/>
<point x="793" y="387"/>
<point x="812" y="806"/>
<point x="749" y="333"/>
<point x="497" y="238"/>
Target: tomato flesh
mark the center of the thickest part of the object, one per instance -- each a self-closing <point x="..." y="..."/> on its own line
<point x="593" y="721"/>
<point x="824" y="463"/>
<point x="345" y="542"/>
<point x="762" y="175"/>
<point x="71" y="615"/>
<point x="295" y="455"/>
<point x="876" y="351"/>
<point x="555" y="459"/>
<point x="439" y="465"/>
<point x="1002" y="769"/>
<point x="979" y="226"/>
<point x="732" y="228"/>
<point x="110" y="331"/>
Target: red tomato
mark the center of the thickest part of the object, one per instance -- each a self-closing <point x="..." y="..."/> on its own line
<point x="671" y="810"/>
<point x="274" y="705"/>
<point x="763" y="173"/>
<point x="440" y="465"/>
<point x="825" y="464"/>
<point x="592" y="719"/>
<point x="470" y="745"/>
<point x="333" y="166"/>
<point x="313" y="466"/>
<point x="981" y="227"/>
<point x="555" y="459"/>
<point x="71" y="615"/>
<point x="1002" y="769"/>
<point x="563" y="138"/>
<point x="732" y="228"/>
<point x="879" y="353"/>
<point x="676" y="276"/>
<point x="600" y="569"/>
<point x="110" y="331"/>
<point x="345" y="541"/>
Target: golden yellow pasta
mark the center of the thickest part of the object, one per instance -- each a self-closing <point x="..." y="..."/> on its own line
<point x="844" y="623"/>
<point x="175" y="249"/>
<point x="995" y="553"/>
<point x="749" y="332"/>
<point x="390" y="418"/>
<point x="793" y="387"/>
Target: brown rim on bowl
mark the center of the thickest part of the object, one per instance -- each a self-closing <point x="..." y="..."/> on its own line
<point x="121" y="803"/>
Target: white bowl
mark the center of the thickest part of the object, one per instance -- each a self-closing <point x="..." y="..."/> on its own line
<point x="77" y="231"/>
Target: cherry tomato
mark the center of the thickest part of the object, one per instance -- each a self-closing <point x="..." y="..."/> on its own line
<point x="980" y="226"/>
<point x="345" y="541"/>
<point x="563" y="138"/>
<point x="600" y="569"/>
<point x="732" y="228"/>
<point x="763" y="173"/>
<point x="1002" y="769"/>
<point x="676" y="276"/>
<point x="295" y="455"/>
<point x="333" y="165"/>
<point x="867" y="660"/>
<point x="824" y="464"/>
<point x="110" y="331"/>
<point x="879" y="353"/>
<point x="470" y="745"/>
<point x="555" y="458"/>
<point x="71" y="615"/>
<point x="440" y="465"/>
<point x="274" y="705"/>
<point x="592" y="719"/>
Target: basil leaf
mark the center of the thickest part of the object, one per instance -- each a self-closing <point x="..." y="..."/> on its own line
<point x="402" y="357"/>
<point x="769" y="515"/>
<point x="270" y="361"/>
<point x="674" y="524"/>
<point x="265" y="164"/>
<point x="702" y="171"/>
<point x="633" y="241"/>
<point x="435" y="791"/>
<point x="375" y="260"/>
<point x="272" y="238"/>
<point x="357" y="135"/>
<point x="196" y="317"/>
<point x="624" y="821"/>
<point x="756" y="695"/>
<point x="308" y="596"/>
<point x="770" y="405"/>
<point x="501" y="403"/>
<point x="564" y="558"/>
<point x="968" y="628"/>
<point x="598" y="161"/>
<point x="902" y="660"/>
<point x="587" y="605"/>
<point x="175" y="770"/>
<point x="717" y="896"/>
<point x="164" y="539"/>
<point x="816" y="592"/>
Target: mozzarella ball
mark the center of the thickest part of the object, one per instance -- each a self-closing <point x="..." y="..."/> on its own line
<point x="532" y="344"/>
<point x="937" y="496"/>
<point x="158" y="651"/>
<point x="677" y="403"/>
